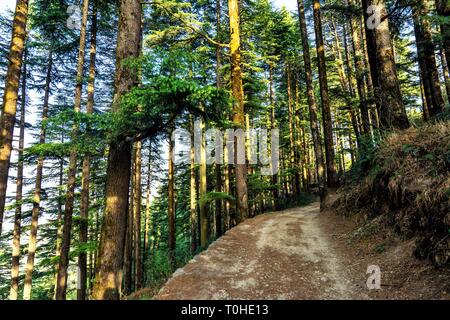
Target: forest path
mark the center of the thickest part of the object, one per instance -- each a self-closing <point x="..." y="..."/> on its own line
<point x="283" y="255"/>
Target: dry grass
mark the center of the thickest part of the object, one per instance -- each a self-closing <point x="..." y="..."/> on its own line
<point x="407" y="184"/>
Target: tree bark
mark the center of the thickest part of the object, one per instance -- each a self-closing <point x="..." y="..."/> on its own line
<point x="292" y="159"/>
<point x="38" y="188"/>
<point x="392" y="111"/>
<point x="14" y="291"/>
<point x="218" y="167"/>
<point x="137" y="196"/>
<point x="10" y="97"/>
<point x="315" y="131"/>
<point x="443" y="9"/>
<point x="359" y="66"/>
<point x="61" y="282"/>
<point x="205" y="225"/>
<point x="85" y="184"/>
<point x="148" y="212"/>
<point x="332" y="180"/>
<point x="274" y="177"/>
<point x="238" y="108"/>
<point x="427" y="59"/>
<point x="193" y="195"/>
<point x="171" y="203"/>
<point x="110" y="257"/>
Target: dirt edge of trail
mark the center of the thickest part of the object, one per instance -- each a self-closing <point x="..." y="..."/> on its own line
<point x="301" y="254"/>
<point x="363" y="244"/>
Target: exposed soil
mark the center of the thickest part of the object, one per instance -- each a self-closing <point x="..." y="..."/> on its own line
<point x="365" y="244"/>
<point x="303" y="254"/>
<point x="283" y="255"/>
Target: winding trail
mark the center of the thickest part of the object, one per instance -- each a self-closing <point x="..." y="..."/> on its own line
<point x="282" y="255"/>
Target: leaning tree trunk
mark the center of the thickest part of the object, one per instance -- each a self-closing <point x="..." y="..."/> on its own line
<point x="332" y="180"/>
<point x="14" y="291"/>
<point x="315" y="131"/>
<point x="10" y="97"/>
<point x="110" y="256"/>
<point x="61" y="281"/>
<point x="238" y="109"/>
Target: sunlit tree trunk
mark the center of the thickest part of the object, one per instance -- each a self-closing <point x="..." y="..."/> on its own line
<point x="193" y="194"/>
<point x="61" y="282"/>
<point x="85" y="180"/>
<point x="297" y="135"/>
<point x="292" y="159"/>
<point x="137" y="196"/>
<point x="148" y="212"/>
<point x="14" y="291"/>
<point x="128" y="250"/>
<point x="110" y="256"/>
<point x="238" y="107"/>
<point x="218" y="167"/>
<point x="10" y="97"/>
<point x="38" y="188"/>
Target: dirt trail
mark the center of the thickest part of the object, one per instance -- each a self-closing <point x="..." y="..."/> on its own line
<point x="283" y="255"/>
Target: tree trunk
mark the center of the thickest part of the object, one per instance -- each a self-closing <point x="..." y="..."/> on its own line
<point x="359" y="66"/>
<point x="38" y="188"/>
<point x="128" y="250"/>
<point x="345" y="85"/>
<point x="85" y="184"/>
<point x="110" y="257"/>
<point x="427" y="63"/>
<point x="11" y="95"/>
<point x="218" y="167"/>
<point x="292" y="160"/>
<point x="274" y="177"/>
<point x="332" y="180"/>
<point x="205" y="225"/>
<point x="148" y="212"/>
<point x="315" y="131"/>
<point x="443" y="9"/>
<point x="297" y="137"/>
<point x="392" y="111"/>
<point x="238" y="109"/>
<point x="14" y="292"/>
<point x="446" y="73"/>
<point x="193" y="196"/>
<point x="171" y="203"/>
<point x="61" y="282"/>
<point x="137" y="196"/>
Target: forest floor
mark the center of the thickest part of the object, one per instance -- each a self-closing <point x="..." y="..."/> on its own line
<point x="300" y="254"/>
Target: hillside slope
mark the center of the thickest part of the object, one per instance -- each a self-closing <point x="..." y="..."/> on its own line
<point x="405" y="184"/>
